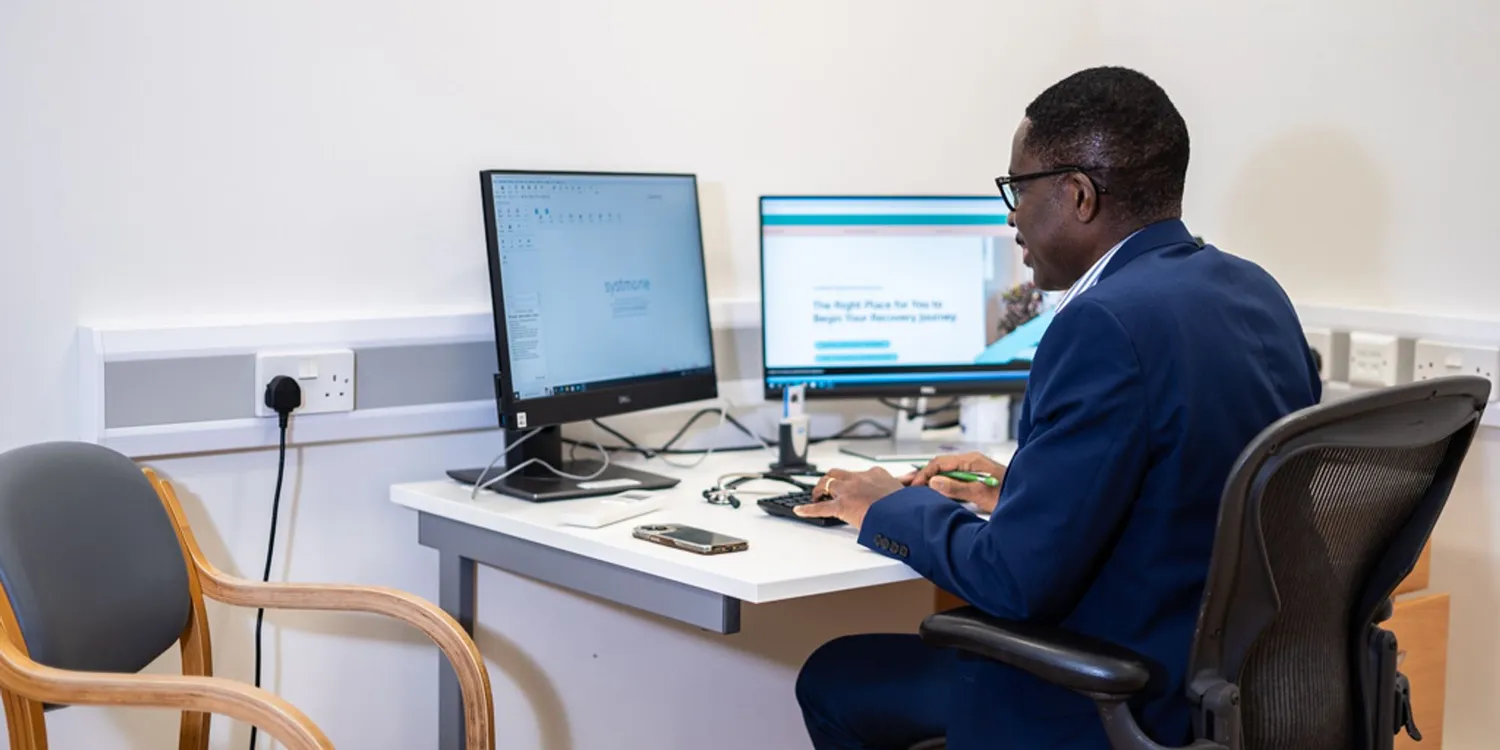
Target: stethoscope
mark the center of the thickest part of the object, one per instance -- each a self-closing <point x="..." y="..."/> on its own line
<point x="723" y="492"/>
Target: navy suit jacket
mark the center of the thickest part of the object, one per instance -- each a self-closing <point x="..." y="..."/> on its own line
<point x="1142" y="394"/>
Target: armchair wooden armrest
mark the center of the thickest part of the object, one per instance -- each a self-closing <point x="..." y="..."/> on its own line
<point x="421" y="614"/>
<point x="46" y="684"/>
<point x="439" y="626"/>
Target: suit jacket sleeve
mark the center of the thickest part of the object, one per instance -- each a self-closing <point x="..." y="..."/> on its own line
<point x="1067" y="491"/>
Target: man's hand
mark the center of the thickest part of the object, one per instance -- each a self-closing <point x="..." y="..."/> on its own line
<point x="849" y="494"/>
<point x="982" y="496"/>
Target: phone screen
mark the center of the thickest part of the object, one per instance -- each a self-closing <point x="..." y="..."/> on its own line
<point x="699" y="536"/>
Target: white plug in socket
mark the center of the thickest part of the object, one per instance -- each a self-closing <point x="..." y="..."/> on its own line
<point x="1436" y="359"/>
<point x="1374" y="359"/>
<point x="326" y="377"/>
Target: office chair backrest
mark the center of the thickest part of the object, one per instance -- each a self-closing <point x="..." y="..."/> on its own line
<point x="1323" y="516"/>
<point x="89" y="558"/>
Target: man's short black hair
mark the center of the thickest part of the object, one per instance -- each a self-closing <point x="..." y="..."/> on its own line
<point x="1122" y="122"/>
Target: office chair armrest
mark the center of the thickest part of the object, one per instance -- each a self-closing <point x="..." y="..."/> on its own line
<point x="1107" y="673"/>
<point x="252" y="705"/>
<point x="1082" y="664"/>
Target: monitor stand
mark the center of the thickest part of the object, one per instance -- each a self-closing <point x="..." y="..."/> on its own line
<point x="915" y="451"/>
<point x="538" y="484"/>
<point x="907" y="442"/>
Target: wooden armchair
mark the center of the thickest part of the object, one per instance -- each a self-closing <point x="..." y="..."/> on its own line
<point x="100" y="575"/>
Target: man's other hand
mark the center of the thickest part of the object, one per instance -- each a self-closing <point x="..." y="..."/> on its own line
<point x="848" y="495"/>
<point x="983" y="497"/>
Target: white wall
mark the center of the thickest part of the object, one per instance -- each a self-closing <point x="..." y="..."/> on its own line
<point x="162" y="159"/>
<point x="1346" y="145"/>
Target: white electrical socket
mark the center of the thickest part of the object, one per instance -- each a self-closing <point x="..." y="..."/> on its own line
<point x="1435" y="359"/>
<point x="1320" y="340"/>
<point x="326" y="377"/>
<point x="1374" y="359"/>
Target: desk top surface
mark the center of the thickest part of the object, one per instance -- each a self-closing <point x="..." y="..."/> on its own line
<point x="785" y="559"/>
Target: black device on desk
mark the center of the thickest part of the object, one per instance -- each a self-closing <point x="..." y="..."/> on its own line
<point x="785" y="506"/>
<point x="601" y="307"/>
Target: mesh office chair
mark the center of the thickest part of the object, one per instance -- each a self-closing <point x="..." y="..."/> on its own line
<point x="1322" y="517"/>
<point x="100" y="575"/>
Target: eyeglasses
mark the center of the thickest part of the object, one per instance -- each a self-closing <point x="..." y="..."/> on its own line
<point x="1008" y="184"/>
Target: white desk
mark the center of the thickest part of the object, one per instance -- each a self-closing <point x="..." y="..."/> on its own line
<point x="786" y="558"/>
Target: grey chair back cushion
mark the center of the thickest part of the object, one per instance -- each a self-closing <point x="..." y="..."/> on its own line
<point x="89" y="558"/>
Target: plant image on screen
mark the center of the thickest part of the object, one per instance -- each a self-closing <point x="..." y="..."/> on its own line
<point x="1021" y="303"/>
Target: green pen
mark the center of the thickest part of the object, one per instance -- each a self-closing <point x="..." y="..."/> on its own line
<point x="969" y="476"/>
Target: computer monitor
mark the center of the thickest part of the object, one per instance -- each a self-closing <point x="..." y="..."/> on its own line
<point x="601" y="307"/>
<point x="895" y="296"/>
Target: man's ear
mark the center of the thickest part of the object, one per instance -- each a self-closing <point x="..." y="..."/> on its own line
<point x="1085" y="197"/>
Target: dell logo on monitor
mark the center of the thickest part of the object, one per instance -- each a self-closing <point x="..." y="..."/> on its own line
<point x="624" y="399"/>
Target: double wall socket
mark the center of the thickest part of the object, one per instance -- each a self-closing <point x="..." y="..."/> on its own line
<point x="1435" y="359"/>
<point x="326" y="377"/>
<point x="1378" y="360"/>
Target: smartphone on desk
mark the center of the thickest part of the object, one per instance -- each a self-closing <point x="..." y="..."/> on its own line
<point x="690" y="538"/>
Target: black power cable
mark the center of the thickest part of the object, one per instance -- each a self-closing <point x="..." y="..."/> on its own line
<point x="284" y="396"/>
<point x="931" y="411"/>
<point x="737" y="424"/>
<point x="846" y="433"/>
<point x="630" y="446"/>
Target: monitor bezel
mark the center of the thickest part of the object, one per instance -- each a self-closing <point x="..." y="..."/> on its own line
<point x="648" y="393"/>
<point x="996" y="387"/>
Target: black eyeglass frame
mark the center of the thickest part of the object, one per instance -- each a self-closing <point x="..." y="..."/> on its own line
<point x="1010" y="180"/>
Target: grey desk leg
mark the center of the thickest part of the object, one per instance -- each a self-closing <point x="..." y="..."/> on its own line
<point x="713" y="612"/>
<point x="456" y="597"/>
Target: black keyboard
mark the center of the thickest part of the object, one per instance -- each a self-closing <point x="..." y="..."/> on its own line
<point x="782" y="505"/>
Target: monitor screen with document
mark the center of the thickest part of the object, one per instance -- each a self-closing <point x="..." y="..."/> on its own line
<point x="600" y="301"/>
<point x="599" y="291"/>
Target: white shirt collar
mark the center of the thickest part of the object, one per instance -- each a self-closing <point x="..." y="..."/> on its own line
<point x="1090" y="277"/>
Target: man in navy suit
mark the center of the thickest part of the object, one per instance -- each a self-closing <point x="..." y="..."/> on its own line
<point x="1165" y="358"/>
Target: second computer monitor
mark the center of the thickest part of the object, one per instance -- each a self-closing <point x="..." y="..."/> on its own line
<point x="895" y="296"/>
